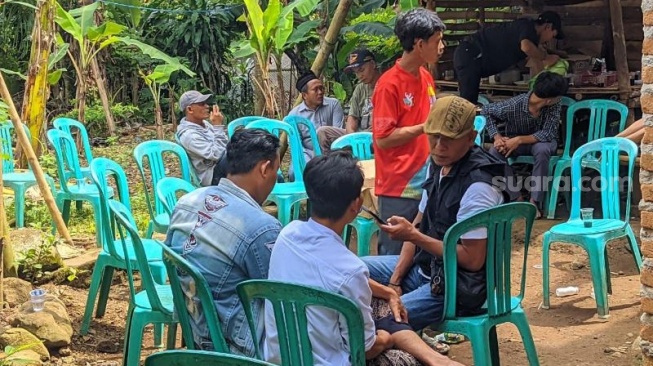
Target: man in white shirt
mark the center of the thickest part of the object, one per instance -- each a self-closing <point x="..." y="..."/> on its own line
<point x="313" y="254"/>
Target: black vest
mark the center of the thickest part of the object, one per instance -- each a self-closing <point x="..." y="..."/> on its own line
<point x="442" y="207"/>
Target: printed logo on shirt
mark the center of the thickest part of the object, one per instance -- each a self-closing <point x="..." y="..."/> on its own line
<point x="431" y="93"/>
<point x="269" y="245"/>
<point x="408" y="99"/>
<point x="190" y="244"/>
<point x="213" y="203"/>
<point x="202" y="218"/>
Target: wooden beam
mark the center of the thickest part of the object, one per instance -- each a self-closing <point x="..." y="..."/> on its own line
<point x="475" y="14"/>
<point x="34" y="163"/>
<point x="468" y="26"/>
<point x="620" y="55"/>
<point x="482" y="4"/>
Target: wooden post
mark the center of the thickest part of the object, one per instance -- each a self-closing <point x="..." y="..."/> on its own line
<point x="620" y="54"/>
<point x="34" y="162"/>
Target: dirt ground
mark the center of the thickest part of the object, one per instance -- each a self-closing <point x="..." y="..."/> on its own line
<point x="570" y="333"/>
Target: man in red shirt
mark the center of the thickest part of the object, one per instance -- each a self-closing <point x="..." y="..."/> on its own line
<point x="402" y="100"/>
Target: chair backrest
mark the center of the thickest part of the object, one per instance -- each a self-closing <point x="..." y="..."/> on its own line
<point x="104" y="170"/>
<point x="566" y="101"/>
<point x="69" y="125"/>
<point x="610" y="185"/>
<point x="360" y="142"/>
<point x="6" y="145"/>
<point x="499" y="222"/>
<point x="289" y="303"/>
<point x="154" y="152"/>
<point x="176" y="265"/>
<point x="166" y="191"/>
<point x="297" y="155"/>
<point x="67" y="159"/>
<point x="297" y="121"/>
<point x="239" y="123"/>
<point x="479" y="126"/>
<point x="200" y="358"/>
<point x="598" y="122"/>
<point x="126" y="228"/>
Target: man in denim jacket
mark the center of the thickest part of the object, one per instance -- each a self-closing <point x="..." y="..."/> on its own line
<point x="223" y="231"/>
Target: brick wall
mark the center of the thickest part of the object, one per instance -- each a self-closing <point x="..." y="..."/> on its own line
<point x="646" y="181"/>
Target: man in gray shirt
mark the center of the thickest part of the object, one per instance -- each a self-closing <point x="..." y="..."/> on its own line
<point x="319" y="109"/>
<point x="363" y="64"/>
<point x="203" y="140"/>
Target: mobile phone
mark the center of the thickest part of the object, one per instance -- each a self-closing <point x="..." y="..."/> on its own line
<point x="374" y="216"/>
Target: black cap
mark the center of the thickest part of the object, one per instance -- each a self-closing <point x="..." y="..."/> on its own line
<point x="358" y="58"/>
<point x="551" y="17"/>
<point x="305" y="79"/>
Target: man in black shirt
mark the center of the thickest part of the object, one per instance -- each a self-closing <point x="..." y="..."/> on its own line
<point x="495" y="48"/>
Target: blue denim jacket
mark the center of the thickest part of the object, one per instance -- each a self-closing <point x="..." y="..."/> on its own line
<point x="228" y="237"/>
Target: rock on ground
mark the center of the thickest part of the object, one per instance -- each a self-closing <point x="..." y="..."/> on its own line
<point x="52" y="324"/>
<point x="18" y="337"/>
<point x="16" y="291"/>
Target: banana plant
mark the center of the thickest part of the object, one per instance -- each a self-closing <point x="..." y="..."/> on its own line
<point x="155" y="81"/>
<point x="270" y="33"/>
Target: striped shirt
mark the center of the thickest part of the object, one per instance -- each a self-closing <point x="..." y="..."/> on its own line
<point x="518" y="121"/>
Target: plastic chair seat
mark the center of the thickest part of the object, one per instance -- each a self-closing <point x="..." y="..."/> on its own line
<point x="85" y="189"/>
<point x="18" y="177"/>
<point x="577" y="227"/>
<point x="163" y="291"/>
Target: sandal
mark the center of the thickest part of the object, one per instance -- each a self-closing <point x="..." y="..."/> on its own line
<point x="439" y="347"/>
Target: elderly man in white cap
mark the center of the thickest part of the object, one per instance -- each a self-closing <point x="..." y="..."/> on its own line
<point x="202" y="134"/>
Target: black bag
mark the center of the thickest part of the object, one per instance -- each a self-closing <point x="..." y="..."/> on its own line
<point x="471" y="288"/>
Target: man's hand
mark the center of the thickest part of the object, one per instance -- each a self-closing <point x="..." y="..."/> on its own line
<point x="216" y="117"/>
<point x="399" y="228"/>
<point x="396" y="289"/>
<point x="510" y="145"/>
<point x="499" y="141"/>
<point x="398" y="309"/>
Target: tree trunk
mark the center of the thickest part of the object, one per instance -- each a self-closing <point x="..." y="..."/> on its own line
<point x="158" y="119"/>
<point x="173" y="115"/>
<point x="101" y="88"/>
<point x="281" y="101"/>
<point x="37" y="89"/>
<point x="81" y="97"/>
<point x="259" y="95"/>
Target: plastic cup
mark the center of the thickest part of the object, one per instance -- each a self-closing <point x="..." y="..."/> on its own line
<point x="37" y="298"/>
<point x="587" y="214"/>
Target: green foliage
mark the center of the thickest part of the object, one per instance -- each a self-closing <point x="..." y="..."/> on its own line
<point x="4" y="111"/>
<point x="374" y="31"/>
<point x="32" y="261"/>
<point x="95" y="118"/>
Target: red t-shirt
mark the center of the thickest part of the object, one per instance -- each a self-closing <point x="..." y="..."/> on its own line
<point x="401" y="99"/>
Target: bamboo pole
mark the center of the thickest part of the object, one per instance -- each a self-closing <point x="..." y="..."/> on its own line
<point x="34" y="163"/>
<point x="620" y="54"/>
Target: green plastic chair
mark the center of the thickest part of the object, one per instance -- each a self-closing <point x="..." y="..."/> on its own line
<point x="19" y="182"/>
<point x="613" y="225"/>
<point x="112" y="255"/>
<point x="286" y="195"/>
<point x="167" y="189"/>
<point x="177" y="266"/>
<point x="502" y="307"/>
<point x="361" y="145"/>
<point x="69" y="125"/>
<point x="154" y="304"/>
<point x="598" y="125"/>
<point x="479" y="126"/>
<point x="553" y="160"/>
<point x="483" y="100"/>
<point x="240" y="123"/>
<point x="68" y="169"/>
<point x="154" y="152"/>
<point x="203" y="358"/>
<point x="296" y="122"/>
<point x="289" y="303"/>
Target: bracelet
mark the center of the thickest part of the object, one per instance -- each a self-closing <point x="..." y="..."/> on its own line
<point x="394" y="284"/>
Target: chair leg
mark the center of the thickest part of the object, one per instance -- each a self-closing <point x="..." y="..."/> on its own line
<point x="107" y="279"/>
<point x="19" y="203"/>
<point x="134" y="340"/>
<point x="519" y="319"/>
<point x="79" y="205"/>
<point x="596" y="255"/>
<point x="96" y="280"/>
<point x="283" y="211"/>
<point x="97" y="210"/>
<point x="158" y="335"/>
<point x="494" y="346"/>
<point x="546" y="244"/>
<point x="480" y="346"/>
<point x="634" y="247"/>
